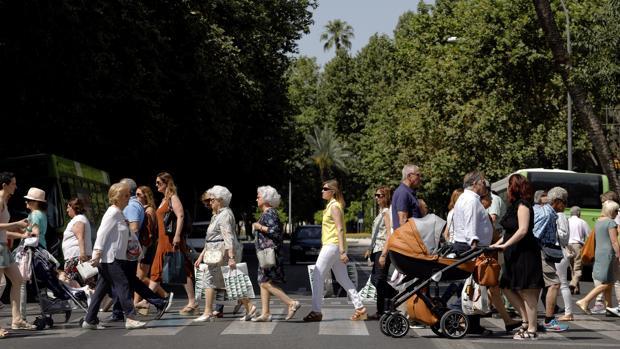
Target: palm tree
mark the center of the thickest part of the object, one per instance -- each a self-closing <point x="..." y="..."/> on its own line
<point x="585" y="111"/>
<point x="327" y="151"/>
<point x="338" y="34"/>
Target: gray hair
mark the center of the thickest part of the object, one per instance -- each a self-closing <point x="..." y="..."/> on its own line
<point x="471" y="178"/>
<point x="575" y="211"/>
<point x="538" y="195"/>
<point x="222" y="193"/>
<point x="269" y="195"/>
<point x="609" y="207"/>
<point x="557" y="193"/>
<point x="133" y="187"/>
<point x="409" y="168"/>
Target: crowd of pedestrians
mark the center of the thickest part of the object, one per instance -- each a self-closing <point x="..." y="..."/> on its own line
<point x="540" y="248"/>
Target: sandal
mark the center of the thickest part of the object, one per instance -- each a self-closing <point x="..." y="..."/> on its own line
<point x="583" y="307"/>
<point x="22" y="325"/>
<point x="189" y="310"/>
<point x="292" y="309"/>
<point x="513" y="326"/>
<point x="525" y="335"/>
<point x="313" y="317"/>
<point x="250" y="314"/>
<point x="3" y="333"/>
<point x="360" y="314"/>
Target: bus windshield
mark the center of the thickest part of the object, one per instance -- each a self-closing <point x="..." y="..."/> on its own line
<point x="584" y="189"/>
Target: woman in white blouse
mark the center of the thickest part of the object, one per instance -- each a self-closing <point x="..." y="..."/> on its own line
<point x="110" y="255"/>
<point x="77" y="245"/>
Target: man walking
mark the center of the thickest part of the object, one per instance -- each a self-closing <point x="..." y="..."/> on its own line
<point x="404" y="201"/>
<point x="578" y="230"/>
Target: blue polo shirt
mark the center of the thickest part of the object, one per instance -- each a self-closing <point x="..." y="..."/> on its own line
<point x="134" y="212"/>
<point x="404" y="200"/>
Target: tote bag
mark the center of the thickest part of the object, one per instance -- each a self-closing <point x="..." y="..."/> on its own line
<point x="174" y="269"/>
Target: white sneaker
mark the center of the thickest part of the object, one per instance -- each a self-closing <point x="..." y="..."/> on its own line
<point x="134" y="324"/>
<point x="88" y="326"/>
<point x="615" y="310"/>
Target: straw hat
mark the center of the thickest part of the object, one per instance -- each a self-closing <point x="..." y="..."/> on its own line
<point x="35" y="194"/>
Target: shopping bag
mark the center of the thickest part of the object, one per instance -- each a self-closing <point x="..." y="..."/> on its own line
<point x="237" y="282"/>
<point x="199" y="283"/>
<point x="368" y="293"/>
<point x="87" y="270"/>
<point x="474" y="298"/>
<point x="174" y="269"/>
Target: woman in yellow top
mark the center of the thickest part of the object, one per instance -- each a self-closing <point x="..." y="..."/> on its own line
<point x="333" y="255"/>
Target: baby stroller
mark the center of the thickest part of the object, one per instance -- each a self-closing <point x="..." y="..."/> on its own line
<point x="410" y="257"/>
<point x="53" y="295"/>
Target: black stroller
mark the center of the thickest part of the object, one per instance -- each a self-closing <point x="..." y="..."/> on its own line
<point x="45" y="279"/>
<point x="411" y="258"/>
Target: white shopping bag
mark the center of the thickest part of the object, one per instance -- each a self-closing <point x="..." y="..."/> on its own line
<point x="238" y="283"/>
<point x="368" y="293"/>
<point x="328" y="287"/>
<point x="474" y="298"/>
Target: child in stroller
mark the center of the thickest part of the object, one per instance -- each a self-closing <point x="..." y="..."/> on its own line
<point x="40" y="267"/>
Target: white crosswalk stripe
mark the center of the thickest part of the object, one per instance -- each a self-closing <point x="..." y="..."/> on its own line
<point x="164" y="327"/>
<point x="592" y="323"/>
<point x="336" y="322"/>
<point x="248" y="327"/>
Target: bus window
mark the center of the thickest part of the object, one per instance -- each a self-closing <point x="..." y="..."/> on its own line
<point x="583" y="189"/>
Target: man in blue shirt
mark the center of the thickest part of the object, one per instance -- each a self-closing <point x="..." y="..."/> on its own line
<point x="404" y="201"/>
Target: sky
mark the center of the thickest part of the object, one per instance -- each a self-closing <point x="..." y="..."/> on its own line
<point x="367" y="17"/>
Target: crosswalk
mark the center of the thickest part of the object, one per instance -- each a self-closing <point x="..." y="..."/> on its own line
<point x="591" y="330"/>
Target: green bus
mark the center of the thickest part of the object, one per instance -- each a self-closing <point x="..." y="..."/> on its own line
<point x="584" y="189"/>
<point x="61" y="179"/>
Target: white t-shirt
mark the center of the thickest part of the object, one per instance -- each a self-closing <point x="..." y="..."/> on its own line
<point x="70" y="244"/>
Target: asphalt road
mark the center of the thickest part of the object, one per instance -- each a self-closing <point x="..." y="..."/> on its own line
<point x="335" y="331"/>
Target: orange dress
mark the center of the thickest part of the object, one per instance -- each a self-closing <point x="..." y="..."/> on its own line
<point x="164" y="245"/>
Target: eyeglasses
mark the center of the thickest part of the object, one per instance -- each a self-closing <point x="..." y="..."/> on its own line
<point x="379" y="196"/>
<point x="415" y="174"/>
<point x="326" y="189"/>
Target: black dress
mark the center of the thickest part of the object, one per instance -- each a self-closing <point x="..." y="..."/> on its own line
<point x="522" y="268"/>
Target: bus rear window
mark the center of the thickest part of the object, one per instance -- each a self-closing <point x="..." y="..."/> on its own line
<point x="584" y="189"/>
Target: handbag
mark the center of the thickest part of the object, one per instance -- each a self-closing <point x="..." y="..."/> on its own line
<point x="587" y="252"/>
<point x="266" y="257"/>
<point x="486" y="270"/>
<point x="174" y="269"/>
<point x="86" y="270"/>
<point x="170" y="220"/>
<point x="553" y="254"/>
<point x="213" y="257"/>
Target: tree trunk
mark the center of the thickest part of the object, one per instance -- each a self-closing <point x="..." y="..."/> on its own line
<point x="584" y="109"/>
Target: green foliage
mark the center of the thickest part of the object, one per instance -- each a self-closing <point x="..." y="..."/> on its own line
<point x="318" y="217"/>
<point x="338" y="35"/>
<point x="327" y="151"/>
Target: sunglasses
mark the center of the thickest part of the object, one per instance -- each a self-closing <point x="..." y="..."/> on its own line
<point x="326" y="189"/>
<point x="207" y="200"/>
<point x="158" y="183"/>
<point x="379" y="195"/>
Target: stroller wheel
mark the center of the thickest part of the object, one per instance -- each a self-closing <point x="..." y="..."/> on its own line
<point x="398" y="325"/>
<point x="437" y="329"/>
<point x="49" y="321"/>
<point x="383" y="320"/>
<point x="39" y="323"/>
<point x="67" y="315"/>
<point x="454" y="324"/>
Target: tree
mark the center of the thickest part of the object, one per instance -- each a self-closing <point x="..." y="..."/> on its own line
<point x="327" y="151"/>
<point x="338" y="34"/>
<point x="586" y="113"/>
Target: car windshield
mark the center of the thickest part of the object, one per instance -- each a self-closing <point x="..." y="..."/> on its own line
<point x="309" y="233"/>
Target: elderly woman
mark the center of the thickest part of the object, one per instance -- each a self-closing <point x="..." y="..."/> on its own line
<point x="521" y="278"/>
<point x="333" y="255"/>
<point x="8" y="266"/>
<point x="110" y="255"/>
<point x="76" y="241"/>
<point x="221" y="237"/>
<point x="606" y="256"/>
<point x="269" y="235"/>
<point x="166" y="243"/>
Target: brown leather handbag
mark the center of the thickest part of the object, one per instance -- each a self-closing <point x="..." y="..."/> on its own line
<point x="587" y="252"/>
<point x="487" y="269"/>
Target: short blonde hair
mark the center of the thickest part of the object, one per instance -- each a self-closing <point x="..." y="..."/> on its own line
<point x="221" y="193"/>
<point x="609" y="207"/>
<point x="114" y="194"/>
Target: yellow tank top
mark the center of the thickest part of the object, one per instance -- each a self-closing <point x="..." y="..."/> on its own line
<point x="329" y="232"/>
